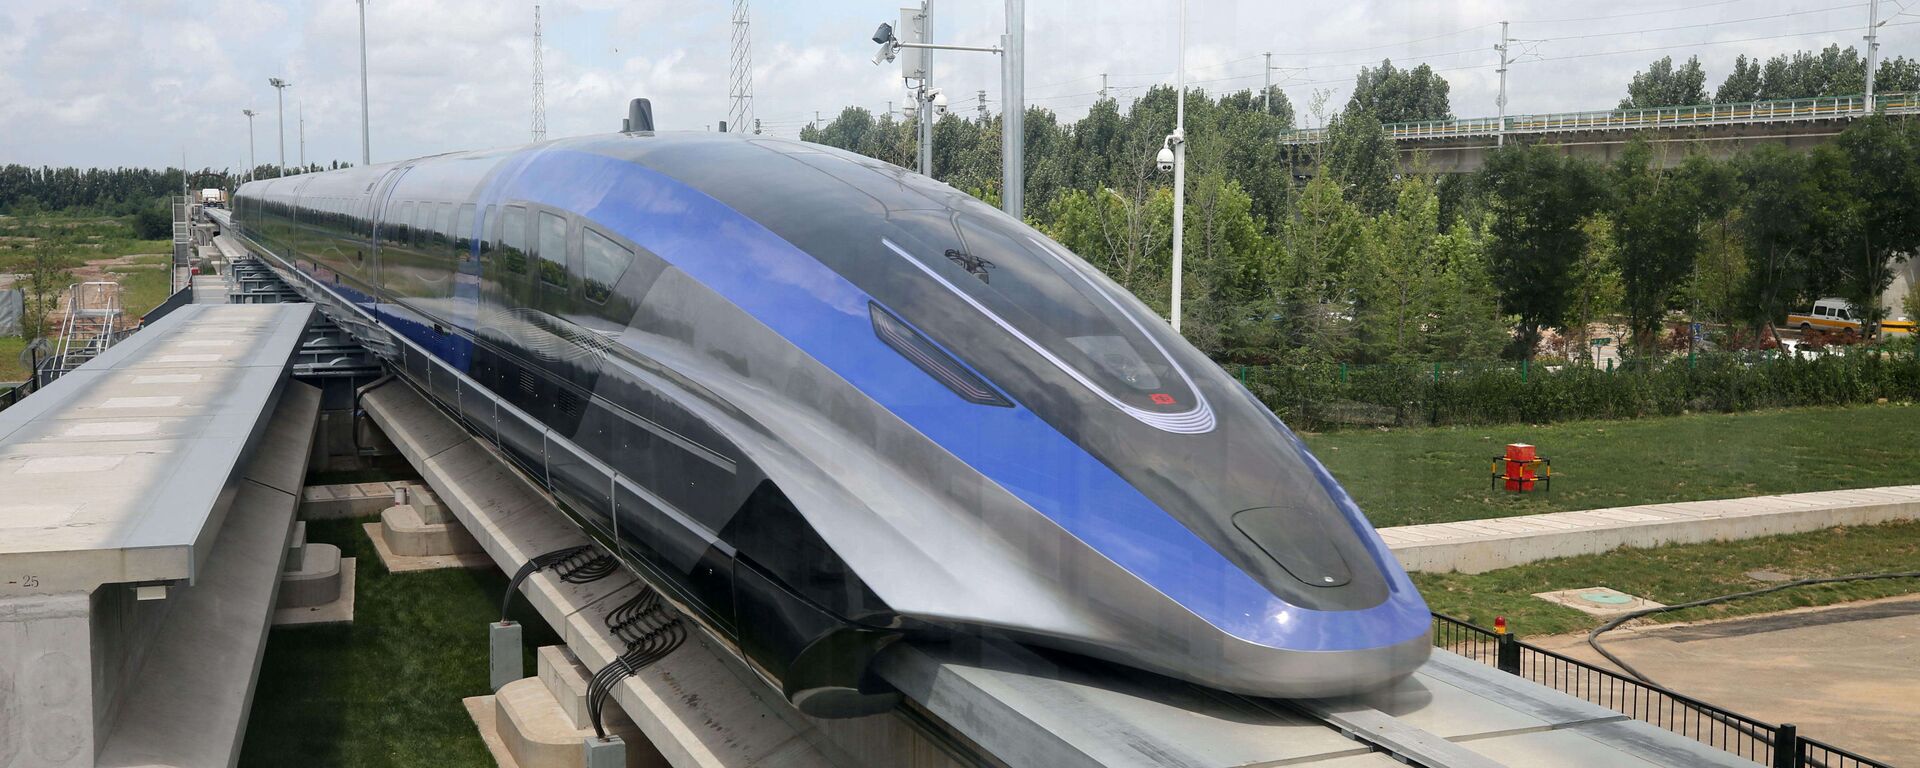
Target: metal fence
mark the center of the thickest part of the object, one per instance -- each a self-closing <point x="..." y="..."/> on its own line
<point x="1780" y="746"/>
<point x="1740" y="113"/>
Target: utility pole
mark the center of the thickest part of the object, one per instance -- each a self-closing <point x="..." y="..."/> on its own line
<point x="983" y="105"/>
<point x="1266" y="92"/>
<point x="740" y="87"/>
<point x="756" y="126"/>
<point x="1873" y="48"/>
<point x="539" y="84"/>
<point x="1013" y="113"/>
<point x="251" y="163"/>
<point x="280" y="97"/>
<point x="366" y="148"/>
<point x="302" y="107"/>
<point x="1103" y="85"/>
<point x="1179" y="166"/>
<point x="1500" y="137"/>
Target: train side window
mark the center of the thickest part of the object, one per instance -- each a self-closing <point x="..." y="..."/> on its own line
<point x="422" y="225"/>
<point x="463" y="232"/>
<point x="488" y="222"/>
<point x="552" y="250"/>
<point x="513" y="239"/>
<point x="605" y="261"/>
<point x="443" y="232"/>
<point x="400" y="225"/>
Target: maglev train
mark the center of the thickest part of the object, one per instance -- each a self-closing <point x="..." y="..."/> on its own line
<point x="824" y="403"/>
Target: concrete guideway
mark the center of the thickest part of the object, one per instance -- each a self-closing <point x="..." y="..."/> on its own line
<point x="149" y="497"/>
<point x="1477" y="546"/>
<point x="997" y="703"/>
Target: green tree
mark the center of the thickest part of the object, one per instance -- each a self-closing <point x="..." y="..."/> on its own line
<point x="1324" y="238"/>
<point x="1596" y="292"/>
<point x="1397" y="283"/>
<point x="1536" y="201"/>
<point x="1400" y="95"/>
<point x="1776" y="230"/>
<point x="1657" y="218"/>
<point x="46" y="279"/>
<point x="1466" y="321"/>
<point x="1361" y="159"/>
<point x="1663" y="85"/>
<point x="1866" y="198"/>
<point x="1742" y="84"/>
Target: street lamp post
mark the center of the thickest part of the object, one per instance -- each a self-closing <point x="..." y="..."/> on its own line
<point x="251" y="163"/>
<point x="366" y="149"/>
<point x="280" y="96"/>
<point x="1178" y="142"/>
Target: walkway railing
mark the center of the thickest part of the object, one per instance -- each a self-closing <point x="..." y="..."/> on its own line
<point x="1779" y="746"/>
<point x="1739" y="113"/>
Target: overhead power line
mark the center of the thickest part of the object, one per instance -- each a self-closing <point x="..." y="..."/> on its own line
<point x="1704" y="24"/>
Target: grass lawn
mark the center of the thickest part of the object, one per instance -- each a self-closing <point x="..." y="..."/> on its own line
<point x="10" y="367"/>
<point x="383" y="692"/>
<point x="142" y="288"/>
<point x="1683" y="573"/>
<point x="1403" y="477"/>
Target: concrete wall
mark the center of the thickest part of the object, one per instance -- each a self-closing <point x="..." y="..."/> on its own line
<point x="121" y="629"/>
<point x="46" y="692"/>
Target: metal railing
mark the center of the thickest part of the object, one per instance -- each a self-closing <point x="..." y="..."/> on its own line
<point x="1738" y="113"/>
<point x="1780" y="746"/>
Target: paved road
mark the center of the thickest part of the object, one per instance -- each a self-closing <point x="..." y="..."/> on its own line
<point x="1847" y="675"/>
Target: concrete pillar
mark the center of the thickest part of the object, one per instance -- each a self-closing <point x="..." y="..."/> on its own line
<point x="48" y="709"/>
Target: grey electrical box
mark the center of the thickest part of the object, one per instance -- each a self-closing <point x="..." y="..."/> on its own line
<point x="504" y="661"/>
<point x="913" y="29"/>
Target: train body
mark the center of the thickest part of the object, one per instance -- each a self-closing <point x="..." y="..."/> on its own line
<point x="825" y="403"/>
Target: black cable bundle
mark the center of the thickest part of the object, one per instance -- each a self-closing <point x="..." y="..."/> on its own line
<point x="575" y="565"/>
<point x="649" y="631"/>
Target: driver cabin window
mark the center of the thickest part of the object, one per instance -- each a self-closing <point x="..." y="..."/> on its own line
<point x="605" y="262"/>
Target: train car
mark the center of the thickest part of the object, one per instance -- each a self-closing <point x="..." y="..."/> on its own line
<point x="824" y="403"/>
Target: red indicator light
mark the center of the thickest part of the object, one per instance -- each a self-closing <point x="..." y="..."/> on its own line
<point x="1161" y="398"/>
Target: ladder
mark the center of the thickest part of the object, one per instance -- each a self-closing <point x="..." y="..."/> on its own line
<point x="92" y="324"/>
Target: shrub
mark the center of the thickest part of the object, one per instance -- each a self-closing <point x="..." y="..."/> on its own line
<point x="1323" y="396"/>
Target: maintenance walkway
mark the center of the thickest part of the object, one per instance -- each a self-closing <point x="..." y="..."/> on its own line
<point x="147" y="508"/>
<point x="1477" y="546"/>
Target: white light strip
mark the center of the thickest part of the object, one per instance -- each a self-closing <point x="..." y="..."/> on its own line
<point x="1197" y="420"/>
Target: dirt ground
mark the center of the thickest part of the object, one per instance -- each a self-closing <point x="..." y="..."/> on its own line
<point x="1848" y="675"/>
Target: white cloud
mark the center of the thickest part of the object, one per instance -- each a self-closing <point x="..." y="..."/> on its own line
<point x="133" y="82"/>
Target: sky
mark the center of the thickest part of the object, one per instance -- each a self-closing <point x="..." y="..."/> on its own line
<point x="140" y="82"/>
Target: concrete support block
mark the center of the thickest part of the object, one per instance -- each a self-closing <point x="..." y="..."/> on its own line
<point x="566" y="679"/>
<point x="504" y="662"/>
<point x="409" y="534"/>
<point x="317" y="582"/>
<point x="297" y="547"/>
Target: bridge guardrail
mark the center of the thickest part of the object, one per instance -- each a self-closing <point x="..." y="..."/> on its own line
<point x="1777" y="746"/>
<point x="1738" y="113"/>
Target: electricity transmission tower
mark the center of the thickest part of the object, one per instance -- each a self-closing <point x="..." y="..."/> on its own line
<point x="741" y="88"/>
<point x="539" y="84"/>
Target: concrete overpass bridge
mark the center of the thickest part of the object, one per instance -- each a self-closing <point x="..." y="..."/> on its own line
<point x="1461" y="145"/>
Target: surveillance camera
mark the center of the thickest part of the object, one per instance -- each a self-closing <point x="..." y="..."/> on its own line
<point x="885" y="54"/>
<point x="884" y="34"/>
<point x="939" y="102"/>
<point x="1165" y="158"/>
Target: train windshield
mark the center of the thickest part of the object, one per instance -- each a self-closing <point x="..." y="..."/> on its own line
<point x="1039" y="292"/>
